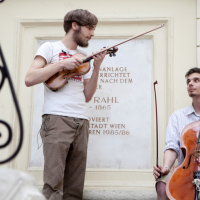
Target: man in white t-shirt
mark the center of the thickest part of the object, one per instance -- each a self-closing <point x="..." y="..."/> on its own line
<point x="65" y="125"/>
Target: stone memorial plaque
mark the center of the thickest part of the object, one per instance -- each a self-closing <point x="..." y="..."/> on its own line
<point x="119" y="112"/>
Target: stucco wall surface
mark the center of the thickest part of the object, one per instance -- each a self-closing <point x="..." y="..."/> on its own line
<point x="180" y="40"/>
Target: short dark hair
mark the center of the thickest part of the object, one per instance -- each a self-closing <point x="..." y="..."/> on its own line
<point x="192" y="70"/>
<point x="81" y="17"/>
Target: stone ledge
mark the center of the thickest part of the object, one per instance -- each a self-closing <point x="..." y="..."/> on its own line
<point x="119" y="195"/>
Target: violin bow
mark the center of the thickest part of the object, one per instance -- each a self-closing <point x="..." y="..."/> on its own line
<point x="156" y="126"/>
<point x="105" y="49"/>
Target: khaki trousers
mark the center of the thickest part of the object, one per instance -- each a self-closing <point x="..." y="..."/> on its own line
<point x="65" y="142"/>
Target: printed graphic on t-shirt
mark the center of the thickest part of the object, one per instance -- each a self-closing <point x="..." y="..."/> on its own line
<point x="63" y="56"/>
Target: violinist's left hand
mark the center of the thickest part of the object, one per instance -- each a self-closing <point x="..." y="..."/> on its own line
<point x="98" y="59"/>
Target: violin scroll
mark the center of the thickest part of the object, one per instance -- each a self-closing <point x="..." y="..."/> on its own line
<point x="112" y="51"/>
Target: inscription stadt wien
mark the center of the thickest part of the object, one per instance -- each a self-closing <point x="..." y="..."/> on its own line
<point x="98" y="127"/>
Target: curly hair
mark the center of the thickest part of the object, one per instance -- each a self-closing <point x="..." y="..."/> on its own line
<point x="81" y="17"/>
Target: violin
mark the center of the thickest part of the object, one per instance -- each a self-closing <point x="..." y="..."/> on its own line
<point x="184" y="182"/>
<point x="59" y="79"/>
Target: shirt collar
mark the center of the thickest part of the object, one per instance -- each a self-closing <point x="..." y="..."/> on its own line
<point x="191" y="110"/>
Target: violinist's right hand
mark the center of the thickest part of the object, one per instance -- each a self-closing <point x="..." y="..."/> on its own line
<point x="71" y="63"/>
<point x="158" y="170"/>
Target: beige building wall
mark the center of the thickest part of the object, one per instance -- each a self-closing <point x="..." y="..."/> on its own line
<point x="198" y="33"/>
<point x="175" y="49"/>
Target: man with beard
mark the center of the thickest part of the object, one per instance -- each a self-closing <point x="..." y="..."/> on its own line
<point x="177" y="122"/>
<point x="65" y="124"/>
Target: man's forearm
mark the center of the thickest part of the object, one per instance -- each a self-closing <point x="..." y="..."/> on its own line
<point x="169" y="158"/>
<point x="36" y="76"/>
<point x="38" y="73"/>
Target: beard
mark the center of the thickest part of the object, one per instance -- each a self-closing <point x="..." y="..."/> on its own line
<point x="192" y="95"/>
<point x="78" y="38"/>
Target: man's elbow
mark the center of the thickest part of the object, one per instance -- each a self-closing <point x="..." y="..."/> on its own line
<point x="87" y="99"/>
<point x="28" y="82"/>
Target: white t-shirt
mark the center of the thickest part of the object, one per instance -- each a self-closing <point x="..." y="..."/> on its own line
<point x="70" y="99"/>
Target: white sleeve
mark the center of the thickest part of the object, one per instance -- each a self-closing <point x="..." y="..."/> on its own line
<point x="46" y="51"/>
<point x="172" y="135"/>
